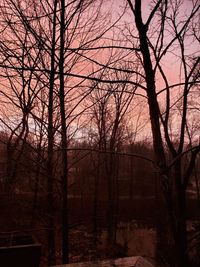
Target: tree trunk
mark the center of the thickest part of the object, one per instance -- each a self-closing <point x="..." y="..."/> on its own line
<point x="50" y="178"/>
<point x="96" y="198"/>
<point x="64" y="178"/>
<point x="154" y="111"/>
<point x="181" y="237"/>
<point x="112" y="199"/>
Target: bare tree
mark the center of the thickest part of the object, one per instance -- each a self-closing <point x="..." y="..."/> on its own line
<point x="154" y="45"/>
<point x="110" y="105"/>
<point x="50" y="53"/>
<point x="56" y="39"/>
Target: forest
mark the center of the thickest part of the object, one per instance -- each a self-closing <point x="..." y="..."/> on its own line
<point x="99" y="129"/>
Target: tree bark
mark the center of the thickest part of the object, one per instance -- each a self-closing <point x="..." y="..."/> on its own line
<point x="64" y="177"/>
<point x="50" y="178"/>
<point x="177" y="230"/>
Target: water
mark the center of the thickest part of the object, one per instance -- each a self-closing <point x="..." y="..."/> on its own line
<point x="138" y="240"/>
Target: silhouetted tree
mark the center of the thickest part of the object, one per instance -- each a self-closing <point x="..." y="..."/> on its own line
<point x="163" y="19"/>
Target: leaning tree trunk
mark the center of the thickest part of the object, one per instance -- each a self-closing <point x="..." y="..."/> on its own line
<point x="154" y="111"/>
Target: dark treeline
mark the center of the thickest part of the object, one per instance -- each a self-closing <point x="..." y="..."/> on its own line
<point x="133" y="196"/>
<point x="133" y="170"/>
